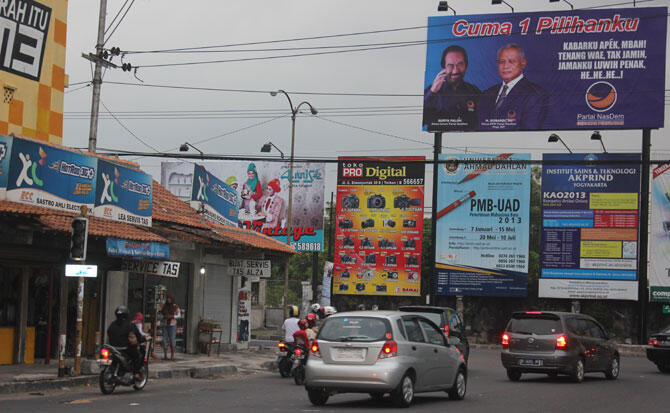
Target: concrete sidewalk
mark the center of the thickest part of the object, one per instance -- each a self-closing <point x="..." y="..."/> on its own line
<point x="18" y="378"/>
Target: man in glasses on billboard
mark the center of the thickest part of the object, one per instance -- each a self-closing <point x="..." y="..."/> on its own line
<point x="450" y="103"/>
<point x="516" y="103"/>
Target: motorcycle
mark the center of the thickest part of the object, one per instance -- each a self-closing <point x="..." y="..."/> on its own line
<point x="298" y="367"/>
<point x="116" y="368"/>
<point x="284" y="358"/>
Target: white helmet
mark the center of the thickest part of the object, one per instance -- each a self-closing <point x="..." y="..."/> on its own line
<point x="329" y="310"/>
<point x="315" y="307"/>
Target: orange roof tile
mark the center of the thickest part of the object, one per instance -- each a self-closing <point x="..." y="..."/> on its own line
<point x="167" y="207"/>
<point x="62" y="221"/>
<point x="253" y="238"/>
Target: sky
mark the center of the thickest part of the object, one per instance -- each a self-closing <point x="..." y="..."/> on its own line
<point x="149" y="119"/>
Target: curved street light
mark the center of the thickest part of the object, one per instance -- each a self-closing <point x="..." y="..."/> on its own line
<point x="294" y="112"/>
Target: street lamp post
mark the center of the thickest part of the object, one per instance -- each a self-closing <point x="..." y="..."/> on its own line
<point x="294" y="113"/>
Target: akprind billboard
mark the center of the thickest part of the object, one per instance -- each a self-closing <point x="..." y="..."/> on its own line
<point x="590" y="222"/>
<point x="483" y="211"/>
<point x="262" y="193"/>
<point x="581" y="69"/>
<point x="379" y="226"/>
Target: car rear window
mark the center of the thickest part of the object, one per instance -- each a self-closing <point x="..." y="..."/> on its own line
<point x="355" y="329"/>
<point x="540" y="324"/>
<point x="434" y="317"/>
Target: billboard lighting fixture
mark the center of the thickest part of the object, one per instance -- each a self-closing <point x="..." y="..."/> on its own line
<point x="268" y="148"/>
<point x="555" y="138"/>
<point x="595" y="136"/>
<point x="184" y="148"/>
<point x="444" y="6"/>
<point x="494" y="2"/>
<point x="570" y="4"/>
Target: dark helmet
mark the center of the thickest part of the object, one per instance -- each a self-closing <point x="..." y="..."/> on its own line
<point x="121" y="312"/>
<point x="303" y="324"/>
<point x="293" y="311"/>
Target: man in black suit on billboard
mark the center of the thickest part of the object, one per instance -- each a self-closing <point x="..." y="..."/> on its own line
<point x="450" y="103"/>
<point x="516" y="103"/>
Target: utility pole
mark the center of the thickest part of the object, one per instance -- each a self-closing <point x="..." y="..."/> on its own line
<point x="432" y="282"/>
<point x="97" y="79"/>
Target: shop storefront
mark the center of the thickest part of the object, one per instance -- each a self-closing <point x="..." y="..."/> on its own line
<point x="146" y="295"/>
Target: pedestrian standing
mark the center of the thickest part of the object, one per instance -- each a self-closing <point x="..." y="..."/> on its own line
<point x="171" y="313"/>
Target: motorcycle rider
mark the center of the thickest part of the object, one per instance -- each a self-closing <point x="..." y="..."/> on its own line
<point x="312" y="329"/>
<point x="317" y="310"/>
<point x="300" y="337"/>
<point x="118" y="333"/>
<point x="291" y="324"/>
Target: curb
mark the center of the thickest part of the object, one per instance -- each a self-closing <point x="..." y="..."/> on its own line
<point x="66" y="382"/>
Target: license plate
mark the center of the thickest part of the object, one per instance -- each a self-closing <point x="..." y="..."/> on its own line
<point x="351" y="353"/>
<point x="104" y="362"/>
<point x="530" y="362"/>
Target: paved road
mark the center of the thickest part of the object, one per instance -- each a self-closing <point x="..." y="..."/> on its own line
<point x="639" y="388"/>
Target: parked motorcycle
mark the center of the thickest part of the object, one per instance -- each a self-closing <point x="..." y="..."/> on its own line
<point x="284" y="358"/>
<point x="298" y="367"/>
<point x="116" y="368"/>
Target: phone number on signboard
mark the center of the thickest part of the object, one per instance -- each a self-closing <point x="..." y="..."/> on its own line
<point x="306" y="246"/>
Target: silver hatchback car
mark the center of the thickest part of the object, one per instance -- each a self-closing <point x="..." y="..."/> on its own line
<point x="379" y="352"/>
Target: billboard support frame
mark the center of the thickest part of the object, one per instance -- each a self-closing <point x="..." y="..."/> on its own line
<point x="643" y="294"/>
<point x="437" y="150"/>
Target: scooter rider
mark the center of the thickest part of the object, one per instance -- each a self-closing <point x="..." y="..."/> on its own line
<point x="291" y="324"/>
<point x="117" y="335"/>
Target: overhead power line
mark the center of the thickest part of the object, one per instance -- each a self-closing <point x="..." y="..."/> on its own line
<point x="295" y="39"/>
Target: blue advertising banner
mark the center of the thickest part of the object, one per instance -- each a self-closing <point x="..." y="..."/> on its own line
<point x="130" y="248"/>
<point x="123" y="194"/>
<point x="483" y="225"/>
<point x="582" y="69"/>
<point x="5" y="151"/>
<point x="590" y="223"/>
<point x="43" y="175"/>
<point x="217" y="199"/>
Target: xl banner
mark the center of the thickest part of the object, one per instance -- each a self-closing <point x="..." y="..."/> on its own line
<point x="5" y="151"/>
<point x="590" y="216"/>
<point x="582" y="69"/>
<point x="262" y="191"/>
<point x="50" y="177"/>
<point x="659" y="232"/>
<point x="483" y="225"/>
<point x="216" y="199"/>
<point x="379" y="226"/>
<point x="123" y="194"/>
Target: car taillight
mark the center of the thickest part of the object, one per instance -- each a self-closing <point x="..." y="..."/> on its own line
<point x="653" y="341"/>
<point x="390" y="349"/>
<point x="446" y="331"/>
<point x="104" y="353"/>
<point x="505" y="341"/>
<point x="561" y="343"/>
<point x="315" y="349"/>
<point x="298" y="352"/>
<point x="282" y="346"/>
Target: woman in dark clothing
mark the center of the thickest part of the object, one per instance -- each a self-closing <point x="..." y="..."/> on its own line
<point x="170" y="312"/>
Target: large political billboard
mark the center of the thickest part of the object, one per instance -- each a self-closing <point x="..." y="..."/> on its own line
<point x="659" y="233"/>
<point x="379" y="226"/>
<point x="50" y="177"/>
<point x="590" y="226"/>
<point x="582" y="69"/>
<point x="216" y="199"/>
<point x="482" y="227"/>
<point x="123" y="194"/>
<point x="262" y="191"/>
